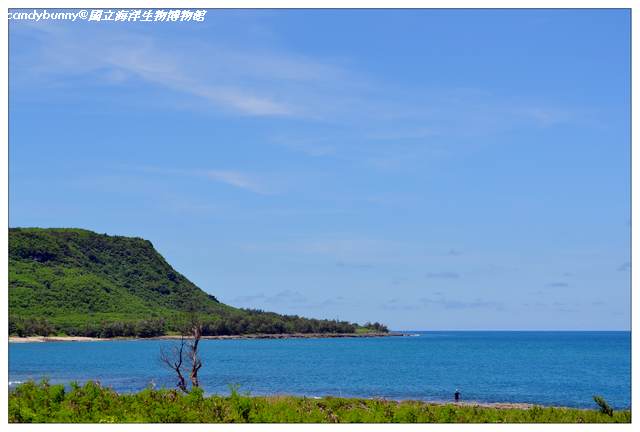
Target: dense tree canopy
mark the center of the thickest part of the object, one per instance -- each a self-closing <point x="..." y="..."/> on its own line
<point x="77" y="282"/>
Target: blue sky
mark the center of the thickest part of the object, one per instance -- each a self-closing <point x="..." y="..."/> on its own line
<point x="432" y="169"/>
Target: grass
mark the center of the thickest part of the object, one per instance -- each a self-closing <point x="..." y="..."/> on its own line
<point x="44" y="403"/>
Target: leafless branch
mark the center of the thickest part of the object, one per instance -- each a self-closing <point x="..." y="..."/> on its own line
<point x="185" y="352"/>
<point x="173" y="359"/>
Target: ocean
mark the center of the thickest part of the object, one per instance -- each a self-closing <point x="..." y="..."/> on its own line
<point x="547" y="368"/>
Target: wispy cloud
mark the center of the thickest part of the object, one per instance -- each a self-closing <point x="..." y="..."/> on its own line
<point x="287" y="299"/>
<point x="545" y="116"/>
<point x="240" y="79"/>
<point x="403" y="134"/>
<point x="462" y="304"/>
<point x="438" y="300"/>
<point x="557" y="306"/>
<point x="398" y="280"/>
<point x="443" y="275"/>
<point x="282" y="297"/>
<point x="148" y="64"/>
<point x="315" y="147"/>
<point x="237" y="179"/>
<point x="255" y="79"/>
<point x="352" y="265"/>
<point x="396" y="304"/>
<point x="565" y="307"/>
<point x="342" y="250"/>
<point x="333" y="302"/>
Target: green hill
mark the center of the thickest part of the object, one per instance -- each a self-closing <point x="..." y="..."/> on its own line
<point x="77" y="282"/>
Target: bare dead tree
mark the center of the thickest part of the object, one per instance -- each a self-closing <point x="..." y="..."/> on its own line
<point x="185" y="354"/>
<point x="173" y="359"/>
<point x="194" y="358"/>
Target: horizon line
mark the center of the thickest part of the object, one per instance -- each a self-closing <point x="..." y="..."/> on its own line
<point x="513" y="330"/>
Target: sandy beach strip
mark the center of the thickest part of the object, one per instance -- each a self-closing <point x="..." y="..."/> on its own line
<point x="36" y="339"/>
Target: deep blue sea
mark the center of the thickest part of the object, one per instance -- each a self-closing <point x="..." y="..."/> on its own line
<point x="549" y="368"/>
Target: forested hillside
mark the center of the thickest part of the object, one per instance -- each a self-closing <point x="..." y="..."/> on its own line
<point x="77" y="282"/>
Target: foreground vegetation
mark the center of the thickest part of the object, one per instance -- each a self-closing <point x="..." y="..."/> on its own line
<point x="79" y="283"/>
<point x="91" y="403"/>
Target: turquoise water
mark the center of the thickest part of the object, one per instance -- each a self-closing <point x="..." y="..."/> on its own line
<point x="550" y="368"/>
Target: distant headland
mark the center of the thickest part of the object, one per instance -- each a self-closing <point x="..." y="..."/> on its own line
<point x="76" y="284"/>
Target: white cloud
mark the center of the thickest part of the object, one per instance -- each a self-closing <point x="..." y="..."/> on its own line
<point x="237" y="179"/>
<point x="316" y="147"/>
<point x="253" y="79"/>
<point x="243" y="82"/>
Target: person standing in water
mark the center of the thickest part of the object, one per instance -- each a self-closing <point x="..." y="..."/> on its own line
<point x="456" y="396"/>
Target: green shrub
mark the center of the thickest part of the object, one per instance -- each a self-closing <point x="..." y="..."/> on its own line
<point x="604" y="406"/>
<point x="92" y="403"/>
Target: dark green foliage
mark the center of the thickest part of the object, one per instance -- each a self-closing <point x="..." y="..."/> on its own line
<point x="376" y="327"/>
<point x="30" y="326"/>
<point x="604" y="406"/>
<point x="91" y="403"/>
<point x="77" y="282"/>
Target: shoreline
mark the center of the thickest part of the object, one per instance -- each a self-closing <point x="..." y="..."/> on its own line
<point x="439" y="403"/>
<point x="41" y="339"/>
<point x="500" y="406"/>
<point x="465" y="404"/>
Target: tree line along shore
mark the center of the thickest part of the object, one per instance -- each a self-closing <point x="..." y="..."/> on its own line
<point x="29" y="339"/>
